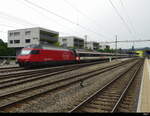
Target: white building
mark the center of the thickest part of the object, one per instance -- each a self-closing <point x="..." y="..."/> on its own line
<point x="22" y="37"/>
<point x="103" y="46"/>
<point x="92" y="45"/>
<point x="72" y="41"/>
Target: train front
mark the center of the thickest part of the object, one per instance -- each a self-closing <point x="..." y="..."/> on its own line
<point x="28" y="57"/>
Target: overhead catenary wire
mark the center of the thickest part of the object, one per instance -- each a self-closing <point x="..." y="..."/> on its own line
<point x="46" y="16"/>
<point x="80" y="12"/>
<point x="83" y="14"/>
<point x="128" y="17"/>
<point x="49" y="11"/>
<point x="4" y="25"/>
<point x="127" y="41"/>
<point x="117" y="12"/>
<point x="16" y="19"/>
<point x="66" y="19"/>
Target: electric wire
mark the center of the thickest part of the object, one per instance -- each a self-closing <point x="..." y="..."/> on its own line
<point x="68" y="20"/>
<point x="83" y="14"/>
<point x="80" y="12"/>
<point x="128" y="17"/>
<point x="117" y="12"/>
<point x="8" y="26"/>
<point x="16" y="19"/>
<point x="40" y="13"/>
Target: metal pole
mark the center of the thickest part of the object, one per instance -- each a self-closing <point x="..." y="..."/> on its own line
<point x="85" y="43"/>
<point x="116" y="46"/>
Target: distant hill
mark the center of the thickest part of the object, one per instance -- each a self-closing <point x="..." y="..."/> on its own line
<point x="145" y="48"/>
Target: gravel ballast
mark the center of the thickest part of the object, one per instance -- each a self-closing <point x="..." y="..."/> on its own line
<point x="64" y="100"/>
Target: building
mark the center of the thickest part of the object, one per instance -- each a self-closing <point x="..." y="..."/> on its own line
<point x="92" y="45"/>
<point x="22" y="37"/>
<point x="103" y="46"/>
<point x="72" y="41"/>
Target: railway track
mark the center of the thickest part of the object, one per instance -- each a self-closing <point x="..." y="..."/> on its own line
<point x="12" y="80"/>
<point x="1" y="68"/>
<point x="110" y="97"/>
<point x="22" y="71"/>
<point x="130" y="100"/>
<point x="14" y="96"/>
<point x="7" y="70"/>
<point x="10" y="69"/>
<point x="18" y="70"/>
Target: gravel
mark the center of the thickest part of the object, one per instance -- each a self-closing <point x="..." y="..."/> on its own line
<point x="64" y="100"/>
<point x="53" y="78"/>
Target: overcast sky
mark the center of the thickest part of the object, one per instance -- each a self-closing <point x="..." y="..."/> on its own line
<point x="100" y="20"/>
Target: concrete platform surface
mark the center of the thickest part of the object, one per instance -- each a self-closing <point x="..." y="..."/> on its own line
<point x="144" y="98"/>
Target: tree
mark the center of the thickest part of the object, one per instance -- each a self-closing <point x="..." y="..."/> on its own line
<point x="5" y="51"/>
<point x="57" y="44"/>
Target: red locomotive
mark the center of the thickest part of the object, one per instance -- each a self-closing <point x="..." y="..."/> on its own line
<point x="39" y="55"/>
<point x="35" y="55"/>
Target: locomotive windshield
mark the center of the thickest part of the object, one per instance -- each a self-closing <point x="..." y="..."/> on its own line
<point x="25" y="52"/>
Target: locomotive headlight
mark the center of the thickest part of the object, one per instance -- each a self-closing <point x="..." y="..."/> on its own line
<point x="77" y="58"/>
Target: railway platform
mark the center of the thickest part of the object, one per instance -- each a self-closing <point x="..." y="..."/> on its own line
<point x="144" y="98"/>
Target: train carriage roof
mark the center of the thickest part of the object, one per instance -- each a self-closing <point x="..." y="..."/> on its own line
<point x="52" y="47"/>
<point x="47" y="47"/>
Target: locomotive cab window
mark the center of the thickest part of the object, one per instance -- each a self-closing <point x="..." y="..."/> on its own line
<point x="25" y="52"/>
<point x="35" y="52"/>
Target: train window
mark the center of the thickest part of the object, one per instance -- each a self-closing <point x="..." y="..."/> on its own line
<point x="35" y="52"/>
<point x="92" y="54"/>
<point x="25" y="52"/>
<point x="81" y="55"/>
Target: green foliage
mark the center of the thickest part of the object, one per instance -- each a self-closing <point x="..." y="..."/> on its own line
<point x="71" y="47"/>
<point x="57" y="44"/>
<point x="5" y="51"/>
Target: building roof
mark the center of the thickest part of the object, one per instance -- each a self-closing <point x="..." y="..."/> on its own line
<point x="40" y="28"/>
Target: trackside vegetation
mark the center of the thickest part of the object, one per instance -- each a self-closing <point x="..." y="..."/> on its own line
<point x="5" y="51"/>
